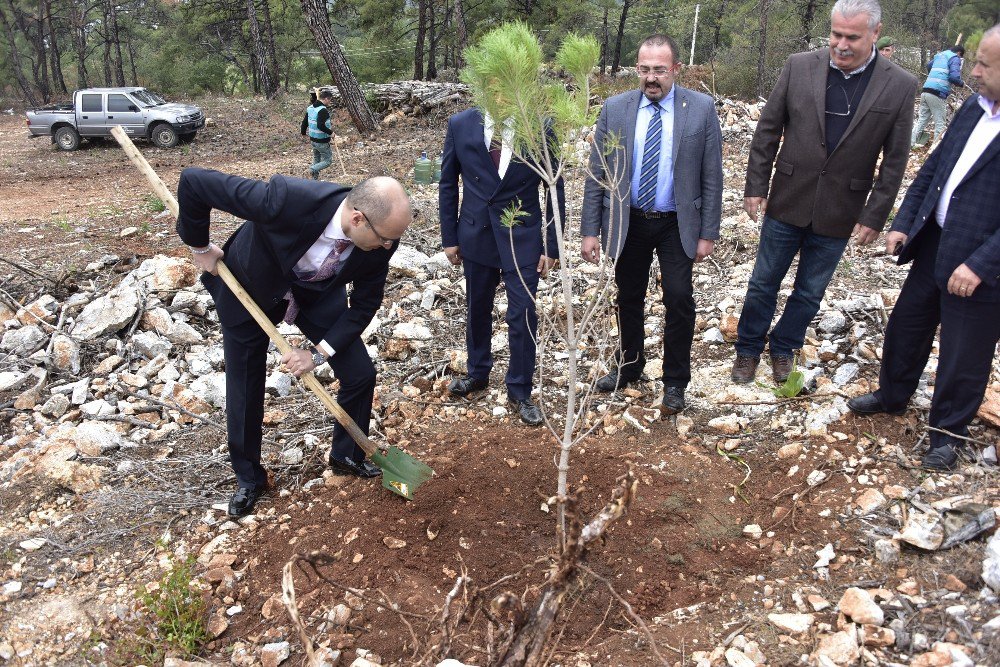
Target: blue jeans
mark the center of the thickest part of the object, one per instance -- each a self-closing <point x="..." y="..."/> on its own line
<point x="818" y="258"/>
<point x="322" y="157"/>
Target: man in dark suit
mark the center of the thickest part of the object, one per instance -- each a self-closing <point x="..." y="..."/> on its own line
<point x="838" y="111"/>
<point x="301" y="245"/>
<point x="658" y="190"/>
<point x="493" y="180"/>
<point x="949" y="226"/>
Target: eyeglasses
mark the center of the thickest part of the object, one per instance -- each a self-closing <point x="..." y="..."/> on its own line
<point x="383" y="240"/>
<point x="643" y="70"/>
<point x="847" y="102"/>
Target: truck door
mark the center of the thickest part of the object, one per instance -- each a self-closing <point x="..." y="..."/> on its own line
<point x="123" y="111"/>
<point x="90" y="115"/>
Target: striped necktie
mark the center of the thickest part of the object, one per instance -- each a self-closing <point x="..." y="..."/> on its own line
<point x="650" y="161"/>
<point x="330" y="266"/>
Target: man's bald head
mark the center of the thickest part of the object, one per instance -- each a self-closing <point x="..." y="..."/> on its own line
<point x="385" y="205"/>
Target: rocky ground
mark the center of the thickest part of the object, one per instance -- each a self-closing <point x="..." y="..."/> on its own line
<point x="767" y="530"/>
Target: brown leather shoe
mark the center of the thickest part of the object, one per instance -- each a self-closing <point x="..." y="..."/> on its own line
<point x="744" y="369"/>
<point x="782" y="366"/>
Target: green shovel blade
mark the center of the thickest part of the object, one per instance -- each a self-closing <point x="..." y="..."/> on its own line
<point x="401" y="473"/>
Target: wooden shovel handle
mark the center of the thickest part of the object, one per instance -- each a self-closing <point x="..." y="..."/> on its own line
<point x="310" y="380"/>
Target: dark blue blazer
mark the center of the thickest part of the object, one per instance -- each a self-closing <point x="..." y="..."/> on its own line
<point x="284" y="217"/>
<point x="476" y="228"/>
<point x="971" y="233"/>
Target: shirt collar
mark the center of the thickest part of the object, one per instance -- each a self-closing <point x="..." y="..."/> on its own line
<point x="848" y="75"/>
<point x="334" y="230"/>
<point x="664" y="104"/>
<point x="987" y="105"/>
<point x="488" y="123"/>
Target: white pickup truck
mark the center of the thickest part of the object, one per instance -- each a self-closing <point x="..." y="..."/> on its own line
<point x="94" y="111"/>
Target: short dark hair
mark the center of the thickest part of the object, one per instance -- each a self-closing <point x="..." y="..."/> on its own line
<point x="659" y="39"/>
<point x="325" y="94"/>
<point x="959" y="49"/>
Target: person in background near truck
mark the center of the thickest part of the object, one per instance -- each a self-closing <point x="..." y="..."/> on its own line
<point x="302" y="244"/>
<point x="949" y="226"/>
<point x="945" y="70"/>
<point x="839" y="110"/>
<point x="316" y="125"/>
<point x="886" y="46"/>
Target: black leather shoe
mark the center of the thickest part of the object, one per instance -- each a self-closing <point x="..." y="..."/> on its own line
<point x="613" y="381"/>
<point x="870" y="404"/>
<point x="243" y="501"/>
<point x="528" y="411"/>
<point x="942" y="456"/>
<point x="464" y="386"/>
<point x="364" y="469"/>
<point x="673" y="400"/>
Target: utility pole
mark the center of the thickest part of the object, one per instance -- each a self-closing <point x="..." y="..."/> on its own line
<point x="694" y="34"/>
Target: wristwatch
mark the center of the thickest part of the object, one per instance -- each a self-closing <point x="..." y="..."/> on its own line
<point x="317" y="357"/>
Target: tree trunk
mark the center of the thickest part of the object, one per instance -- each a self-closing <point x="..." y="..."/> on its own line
<point x="40" y="68"/>
<point x="54" y="57"/>
<point x="808" y="18"/>
<point x="78" y="26"/>
<point x="616" y="63"/>
<point x="267" y="83"/>
<point x="762" y="49"/>
<point x="319" y="24"/>
<point x="432" y="39"/>
<point x="114" y="72"/>
<point x="604" y="43"/>
<point x="130" y="47"/>
<point x="461" y="34"/>
<point x="272" y="56"/>
<point x="716" y="35"/>
<point x="15" y="60"/>
<point x="418" y="50"/>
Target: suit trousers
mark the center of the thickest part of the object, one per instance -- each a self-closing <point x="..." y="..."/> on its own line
<point x="970" y="330"/>
<point x="481" y="284"/>
<point x="662" y="236"/>
<point x="245" y="347"/>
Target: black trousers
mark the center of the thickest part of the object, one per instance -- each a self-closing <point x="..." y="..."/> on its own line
<point x="662" y="236"/>
<point x="245" y="347"/>
<point x="970" y="330"/>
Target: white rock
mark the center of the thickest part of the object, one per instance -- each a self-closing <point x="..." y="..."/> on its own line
<point x="713" y="335"/>
<point x="12" y="587"/>
<point x="211" y="388"/>
<point x="292" y="456"/>
<point x="33" y="544"/>
<point x="846" y="373"/>
<point x="730" y="424"/>
<point x="274" y="654"/>
<point x="737" y="658"/>
<point x="859" y="606"/>
<point x="922" y="530"/>
<point x="92" y="436"/>
<point x="753" y="531"/>
<point x="869" y="501"/>
<point x="65" y="353"/>
<point x="793" y="623"/>
<point x="280" y="383"/>
<point x="991" y="563"/>
<point x="408" y="261"/>
<point x="833" y="322"/>
<point x="499" y="411"/>
<point x="887" y="551"/>
<point x="840" y="648"/>
<point x="97" y="408"/>
<point x="108" y="313"/>
<point x="22" y="342"/>
<point x="12" y="379"/>
<point x="412" y="331"/>
<point x="826" y="555"/>
<point x="149" y="344"/>
<point x="165" y="273"/>
<point x="56" y="406"/>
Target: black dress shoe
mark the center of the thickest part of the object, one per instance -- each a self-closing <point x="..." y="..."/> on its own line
<point x="464" y="386"/>
<point x="942" y="456"/>
<point x="243" y="501"/>
<point x="870" y="404"/>
<point x="528" y="411"/>
<point x="345" y="466"/>
<point x="673" y="400"/>
<point x="613" y="381"/>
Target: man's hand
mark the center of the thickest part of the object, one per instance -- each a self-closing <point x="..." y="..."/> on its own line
<point x="590" y="249"/>
<point x="894" y="242"/>
<point x="705" y="248"/>
<point x="755" y="206"/>
<point x="864" y="235"/>
<point x="454" y="255"/>
<point x="298" y="362"/>
<point x="206" y="261"/>
<point x="545" y="265"/>
<point x="963" y="281"/>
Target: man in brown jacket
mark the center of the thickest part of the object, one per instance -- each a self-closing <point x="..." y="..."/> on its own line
<point x="838" y="110"/>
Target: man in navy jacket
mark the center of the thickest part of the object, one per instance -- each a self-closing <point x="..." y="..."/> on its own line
<point x="949" y="226"/>
<point x="474" y="236"/>
<point x="302" y="243"/>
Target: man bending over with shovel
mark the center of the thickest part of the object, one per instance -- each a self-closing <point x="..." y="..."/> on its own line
<point x="302" y="243"/>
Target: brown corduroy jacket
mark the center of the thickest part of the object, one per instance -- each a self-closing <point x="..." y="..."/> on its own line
<point x="832" y="193"/>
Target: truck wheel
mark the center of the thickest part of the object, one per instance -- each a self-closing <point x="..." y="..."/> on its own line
<point x="67" y="139"/>
<point x="164" y="136"/>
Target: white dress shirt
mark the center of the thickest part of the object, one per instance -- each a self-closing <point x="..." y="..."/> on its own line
<point x="506" y="140"/>
<point x="986" y="130"/>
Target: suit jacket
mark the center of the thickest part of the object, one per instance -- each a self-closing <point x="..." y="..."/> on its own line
<point x="971" y="232"/>
<point x="284" y="217"/>
<point x="697" y="155"/>
<point x="830" y="192"/>
<point x="476" y="227"/>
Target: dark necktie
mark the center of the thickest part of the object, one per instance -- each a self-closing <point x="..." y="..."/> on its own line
<point x="495" y="151"/>
<point x="650" y="161"/>
<point x="330" y="266"/>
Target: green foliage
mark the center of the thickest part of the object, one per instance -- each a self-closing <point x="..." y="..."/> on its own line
<point x="792" y="386"/>
<point x="513" y="214"/>
<point x="174" y="618"/>
<point x="154" y="204"/>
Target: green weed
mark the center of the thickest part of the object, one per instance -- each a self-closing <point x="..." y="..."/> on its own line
<point x="154" y="204"/>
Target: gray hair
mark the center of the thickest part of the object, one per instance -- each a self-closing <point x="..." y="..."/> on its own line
<point x="991" y="32"/>
<point x="851" y="8"/>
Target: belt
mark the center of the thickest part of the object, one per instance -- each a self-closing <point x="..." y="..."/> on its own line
<point x="652" y="215"/>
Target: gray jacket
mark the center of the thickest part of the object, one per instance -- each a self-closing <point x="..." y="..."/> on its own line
<point x="697" y="156"/>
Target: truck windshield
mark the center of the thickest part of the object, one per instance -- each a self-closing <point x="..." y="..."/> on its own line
<point x="147" y="98"/>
